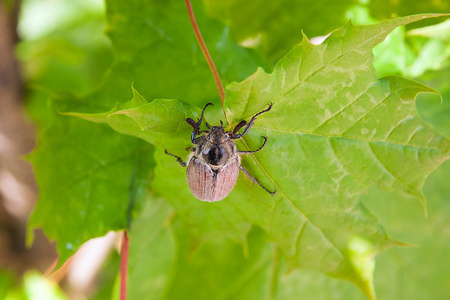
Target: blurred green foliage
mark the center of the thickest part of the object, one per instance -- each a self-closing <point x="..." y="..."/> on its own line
<point x="274" y="27"/>
<point x="34" y="286"/>
<point x="71" y="66"/>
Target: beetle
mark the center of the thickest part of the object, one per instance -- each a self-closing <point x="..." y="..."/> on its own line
<point x="214" y="162"/>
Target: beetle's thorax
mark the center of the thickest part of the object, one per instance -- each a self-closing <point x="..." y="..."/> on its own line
<point x="217" y="135"/>
<point x="216" y="154"/>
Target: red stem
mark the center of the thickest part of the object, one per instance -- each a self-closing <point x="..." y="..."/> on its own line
<point x="124" y="266"/>
<point x="202" y="44"/>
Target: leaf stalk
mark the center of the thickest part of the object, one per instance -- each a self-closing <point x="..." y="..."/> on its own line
<point x="124" y="266"/>
<point x="208" y="58"/>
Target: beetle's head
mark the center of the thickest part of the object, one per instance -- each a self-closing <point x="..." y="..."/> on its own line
<point x="217" y="135"/>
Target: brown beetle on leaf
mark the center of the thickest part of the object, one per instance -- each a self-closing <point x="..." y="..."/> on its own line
<point x="214" y="164"/>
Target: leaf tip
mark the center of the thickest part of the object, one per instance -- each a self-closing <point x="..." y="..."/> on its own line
<point x="63" y="113"/>
<point x="138" y="99"/>
<point x="424" y="204"/>
<point x="419" y="194"/>
<point x="71" y="113"/>
<point x="29" y="156"/>
<point x="135" y="92"/>
<point x="304" y="36"/>
<point x="244" y="245"/>
<point x="361" y="254"/>
<point x="29" y="239"/>
<point x="403" y="244"/>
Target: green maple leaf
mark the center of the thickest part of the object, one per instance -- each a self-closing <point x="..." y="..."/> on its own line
<point x="76" y="161"/>
<point x="155" y="47"/>
<point x="98" y="164"/>
<point x="336" y="117"/>
<point x="164" y="255"/>
<point x="334" y="130"/>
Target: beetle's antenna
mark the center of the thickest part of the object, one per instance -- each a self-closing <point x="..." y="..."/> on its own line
<point x="203" y="111"/>
<point x="196" y="125"/>
<point x="221" y="123"/>
<point x="208" y="58"/>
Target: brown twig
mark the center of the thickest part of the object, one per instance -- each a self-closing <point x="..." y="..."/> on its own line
<point x="208" y="58"/>
<point x="124" y="266"/>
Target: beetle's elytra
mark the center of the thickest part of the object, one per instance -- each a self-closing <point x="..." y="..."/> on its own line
<point x="214" y="162"/>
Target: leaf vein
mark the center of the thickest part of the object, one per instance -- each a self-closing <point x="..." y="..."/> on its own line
<point x="383" y="166"/>
<point x="98" y="167"/>
<point x="388" y="134"/>
<point x="299" y="211"/>
<point x="295" y="85"/>
<point x="377" y="105"/>
<point x="344" y="138"/>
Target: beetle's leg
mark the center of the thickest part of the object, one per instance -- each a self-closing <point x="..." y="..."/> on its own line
<point x="195" y="132"/>
<point x="250" y="124"/>
<point x="190" y="149"/>
<point x="193" y="135"/>
<point x="179" y="160"/>
<point x="193" y="124"/>
<point x="254" y="151"/>
<point x="255" y="180"/>
<point x="239" y="126"/>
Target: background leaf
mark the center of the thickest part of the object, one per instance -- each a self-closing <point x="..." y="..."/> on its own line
<point x="153" y="46"/>
<point x="350" y="135"/>
<point x="113" y="168"/>
<point x="279" y="24"/>
<point x="162" y="56"/>
<point x="339" y="131"/>
<point x="275" y="26"/>
<point x="131" y="63"/>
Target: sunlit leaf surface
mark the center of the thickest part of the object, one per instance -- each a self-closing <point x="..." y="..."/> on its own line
<point x="336" y="131"/>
